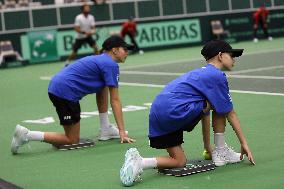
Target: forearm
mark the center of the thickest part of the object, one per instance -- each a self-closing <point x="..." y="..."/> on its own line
<point x="235" y="123"/>
<point x="78" y="30"/>
<point x="117" y="111"/>
<point x="93" y="31"/>
<point x="206" y="131"/>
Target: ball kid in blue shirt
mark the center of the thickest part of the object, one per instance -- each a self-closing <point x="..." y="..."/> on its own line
<point x="97" y="74"/>
<point x="181" y="105"/>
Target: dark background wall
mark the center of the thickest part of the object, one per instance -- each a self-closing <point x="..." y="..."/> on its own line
<point x="18" y="23"/>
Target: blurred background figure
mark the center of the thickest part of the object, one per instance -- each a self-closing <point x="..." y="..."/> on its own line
<point x="129" y="29"/>
<point x="260" y="18"/>
<point x="85" y="28"/>
<point x="218" y="31"/>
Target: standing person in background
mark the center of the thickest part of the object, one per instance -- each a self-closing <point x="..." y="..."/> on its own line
<point x="129" y="29"/>
<point x="260" y="18"/>
<point x="85" y="28"/>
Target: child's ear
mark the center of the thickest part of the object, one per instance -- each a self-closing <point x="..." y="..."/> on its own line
<point x="220" y="56"/>
<point x="114" y="51"/>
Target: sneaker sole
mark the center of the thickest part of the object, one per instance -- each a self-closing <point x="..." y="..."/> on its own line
<point x="104" y="138"/>
<point x="126" y="175"/>
<point x="126" y="171"/>
<point x="14" y="147"/>
<point x="219" y="164"/>
<point x="108" y="138"/>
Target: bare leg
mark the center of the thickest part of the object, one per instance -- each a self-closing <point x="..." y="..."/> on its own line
<point x="206" y="132"/>
<point x="72" y="56"/>
<point x="102" y="100"/>
<point x="71" y="136"/>
<point x="255" y="27"/>
<point x="176" y="158"/>
<point x="219" y="122"/>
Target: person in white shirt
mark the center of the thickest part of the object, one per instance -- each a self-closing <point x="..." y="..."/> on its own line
<point x="85" y="28"/>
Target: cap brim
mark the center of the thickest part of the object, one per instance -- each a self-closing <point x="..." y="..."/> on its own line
<point x="129" y="47"/>
<point x="236" y="52"/>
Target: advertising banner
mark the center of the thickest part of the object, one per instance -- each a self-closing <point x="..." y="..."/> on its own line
<point x="154" y="34"/>
<point x="189" y="31"/>
<point x="42" y="46"/>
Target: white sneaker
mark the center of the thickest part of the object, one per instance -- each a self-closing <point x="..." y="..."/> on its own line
<point x="111" y="133"/>
<point x="132" y="168"/>
<point x="226" y="155"/>
<point x="255" y="40"/>
<point x="19" y="138"/>
<point x="270" y="38"/>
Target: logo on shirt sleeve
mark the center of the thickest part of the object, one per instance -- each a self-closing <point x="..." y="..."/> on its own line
<point x="230" y="97"/>
<point x="117" y="77"/>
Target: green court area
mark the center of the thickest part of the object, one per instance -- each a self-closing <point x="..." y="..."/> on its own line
<point x="257" y="84"/>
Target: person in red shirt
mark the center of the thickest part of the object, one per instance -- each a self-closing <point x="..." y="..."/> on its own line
<point x="129" y="29"/>
<point x="260" y="18"/>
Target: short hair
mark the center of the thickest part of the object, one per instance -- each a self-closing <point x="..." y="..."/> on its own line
<point x="83" y="6"/>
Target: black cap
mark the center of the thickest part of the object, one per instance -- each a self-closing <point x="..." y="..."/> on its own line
<point x="212" y="48"/>
<point x="116" y="41"/>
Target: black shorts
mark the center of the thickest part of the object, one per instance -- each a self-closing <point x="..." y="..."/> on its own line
<point x="173" y="139"/>
<point x="67" y="111"/>
<point x="79" y="42"/>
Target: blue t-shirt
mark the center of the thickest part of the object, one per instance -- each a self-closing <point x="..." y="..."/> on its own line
<point x="182" y="100"/>
<point x="86" y="76"/>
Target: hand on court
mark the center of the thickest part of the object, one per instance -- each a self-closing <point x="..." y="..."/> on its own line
<point x="245" y="150"/>
<point x="124" y="137"/>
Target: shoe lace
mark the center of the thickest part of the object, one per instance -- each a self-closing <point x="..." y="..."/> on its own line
<point x="131" y="154"/>
<point x="229" y="149"/>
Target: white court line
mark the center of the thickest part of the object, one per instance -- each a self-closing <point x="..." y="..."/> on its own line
<point x="45" y="77"/>
<point x="199" y="59"/>
<point x="178" y="74"/>
<point x="257" y="69"/>
<point x="255" y="77"/>
<point x="162" y="86"/>
<point x="141" y="85"/>
<point x="233" y="91"/>
<point x="151" y="73"/>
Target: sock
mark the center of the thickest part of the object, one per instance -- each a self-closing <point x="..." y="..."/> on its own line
<point x="219" y="140"/>
<point x="35" y="135"/>
<point x="104" y="121"/>
<point x="149" y="163"/>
